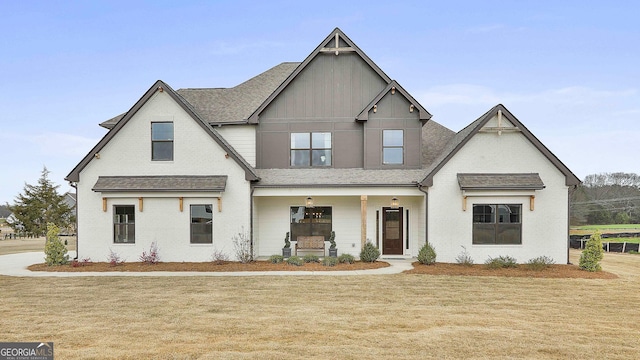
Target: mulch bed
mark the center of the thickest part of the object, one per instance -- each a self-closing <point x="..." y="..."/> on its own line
<point x="227" y="266"/>
<point x="553" y="271"/>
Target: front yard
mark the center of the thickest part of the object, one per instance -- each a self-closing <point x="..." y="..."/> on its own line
<point x="409" y="316"/>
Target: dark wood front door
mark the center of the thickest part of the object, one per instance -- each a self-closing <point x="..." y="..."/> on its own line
<point x="392" y="231"/>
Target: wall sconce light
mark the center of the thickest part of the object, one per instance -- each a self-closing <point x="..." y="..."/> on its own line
<point x="226" y="156"/>
<point x="395" y="203"/>
<point x="393" y="90"/>
<point x="309" y="202"/>
<point x="411" y="108"/>
<point x="97" y="155"/>
<point x="375" y="108"/>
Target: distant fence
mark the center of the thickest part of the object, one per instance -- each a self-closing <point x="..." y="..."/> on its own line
<point x="579" y="241"/>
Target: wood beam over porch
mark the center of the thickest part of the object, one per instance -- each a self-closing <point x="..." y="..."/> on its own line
<point x="363" y="220"/>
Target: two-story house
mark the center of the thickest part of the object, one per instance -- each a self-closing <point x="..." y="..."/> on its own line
<point x="328" y="144"/>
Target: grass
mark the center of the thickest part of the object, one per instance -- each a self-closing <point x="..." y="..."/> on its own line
<point x="270" y="317"/>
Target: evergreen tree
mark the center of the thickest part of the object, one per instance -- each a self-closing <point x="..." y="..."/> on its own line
<point x="38" y="205"/>
<point x="592" y="254"/>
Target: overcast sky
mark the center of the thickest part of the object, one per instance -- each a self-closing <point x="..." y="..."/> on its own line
<point x="568" y="70"/>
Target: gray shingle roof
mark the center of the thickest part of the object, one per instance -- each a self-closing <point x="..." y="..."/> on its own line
<point x="500" y="181"/>
<point x="337" y="177"/>
<point x="160" y="183"/>
<point x="229" y="105"/>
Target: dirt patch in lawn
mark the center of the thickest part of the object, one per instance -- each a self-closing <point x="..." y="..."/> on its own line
<point x="228" y="266"/>
<point x="553" y="271"/>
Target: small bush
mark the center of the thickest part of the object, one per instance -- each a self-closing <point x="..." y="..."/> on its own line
<point x="464" y="258"/>
<point x="633" y="252"/>
<point x="114" y="258"/>
<point x="329" y="261"/>
<point x="276" y="259"/>
<point x="294" y="260"/>
<point x="592" y="254"/>
<point x="242" y="246"/>
<point x="501" y="262"/>
<point x="346" y="259"/>
<point x="427" y="255"/>
<point x="152" y="257"/>
<point x="540" y="263"/>
<point x="218" y="257"/>
<point x="54" y="249"/>
<point x="310" y="258"/>
<point x="369" y="253"/>
<point x="83" y="262"/>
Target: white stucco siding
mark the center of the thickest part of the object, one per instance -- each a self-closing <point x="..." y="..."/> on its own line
<point x="242" y="138"/>
<point x="129" y="154"/>
<point x="544" y="230"/>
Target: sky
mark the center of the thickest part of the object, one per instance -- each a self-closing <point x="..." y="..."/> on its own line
<point x="568" y="70"/>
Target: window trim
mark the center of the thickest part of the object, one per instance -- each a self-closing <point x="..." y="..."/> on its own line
<point x="496" y="223"/>
<point x="311" y="149"/>
<point x="191" y="225"/>
<point x="384" y="147"/>
<point x="127" y="224"/>
<point x="172" y="140"/>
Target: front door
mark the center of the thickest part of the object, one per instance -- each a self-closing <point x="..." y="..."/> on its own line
<point x="392" y="231"/>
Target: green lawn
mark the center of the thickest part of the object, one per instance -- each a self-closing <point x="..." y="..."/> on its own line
<point x="606" y="228"/>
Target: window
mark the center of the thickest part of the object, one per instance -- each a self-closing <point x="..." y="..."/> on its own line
<point x="162" y="141"/>
<point x="201" y="224"/>
<point x="311" y="149"/>
<point x="124" y="224"/>
<point x="393" y="147"/>
<point x="497" y="224"/>
<point x="310" y="221"/>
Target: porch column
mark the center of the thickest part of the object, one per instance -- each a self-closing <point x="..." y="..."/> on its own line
<point x="363" y="220"/>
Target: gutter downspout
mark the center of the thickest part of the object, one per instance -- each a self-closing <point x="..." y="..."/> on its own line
<point x="251" y="218"/>
<point x="75" y="186"/>
<point x="426" y="212"/>
<point x="569" y="193"/>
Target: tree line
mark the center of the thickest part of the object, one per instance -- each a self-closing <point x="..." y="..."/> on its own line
<point x="606" y="198"/>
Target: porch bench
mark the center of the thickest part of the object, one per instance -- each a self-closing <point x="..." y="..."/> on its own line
<point x="310" y="243"/>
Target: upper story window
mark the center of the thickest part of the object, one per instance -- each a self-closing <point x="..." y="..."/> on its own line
<point x="393" y="147"/>
<point x="311" y="149"/>
<point x="162" y="141"/>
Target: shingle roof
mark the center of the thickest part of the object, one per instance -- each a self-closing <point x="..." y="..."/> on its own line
<point x="160" y="183"/>
<point x="230" y="105"/>
<point x="519" y="181"/>
<point x="337" y="177"/>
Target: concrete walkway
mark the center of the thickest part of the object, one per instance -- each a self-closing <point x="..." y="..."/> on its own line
<point x="16" y="265"/>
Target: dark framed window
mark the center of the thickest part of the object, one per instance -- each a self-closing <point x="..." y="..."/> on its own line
<point x="124" y="224"/>
<point x="497" y="224"/>
<point x="162" y="141"/>
<point x="393" y="147"/>
<point x="311" y="149"/>
<point x="311" y="221"/>
<point x="202" y="224"/>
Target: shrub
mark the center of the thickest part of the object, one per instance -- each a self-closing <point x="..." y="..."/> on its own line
<point x="329" y="261"/>
<point x="634" y="252"/>
<point x="294" y="260"/>
<point x="218" y="257"/>
<point x="427" y="255"/>
<point x="369" y="253"/>
<point x="592" y="254"/>
<point x="540" y="263"/>
<point x="242" y="247"/>
<point x="310" y="258"/>
<point x="114" y="258"/>
<point x="501" y="262"/>
<point x="346" y="259"/>
<point x="332" y="240"/>
<point x="276" y="259"/>
<point x="54" y="249"/>
<point x="152" y="257"/>
<point x="464" y="258"/>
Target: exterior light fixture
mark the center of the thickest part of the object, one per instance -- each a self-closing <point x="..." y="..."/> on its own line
<point x="411" y="108"/>
<point x="393" y="90"/>
<point x="309" y="202"/>
<point x="395" y="203"/>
